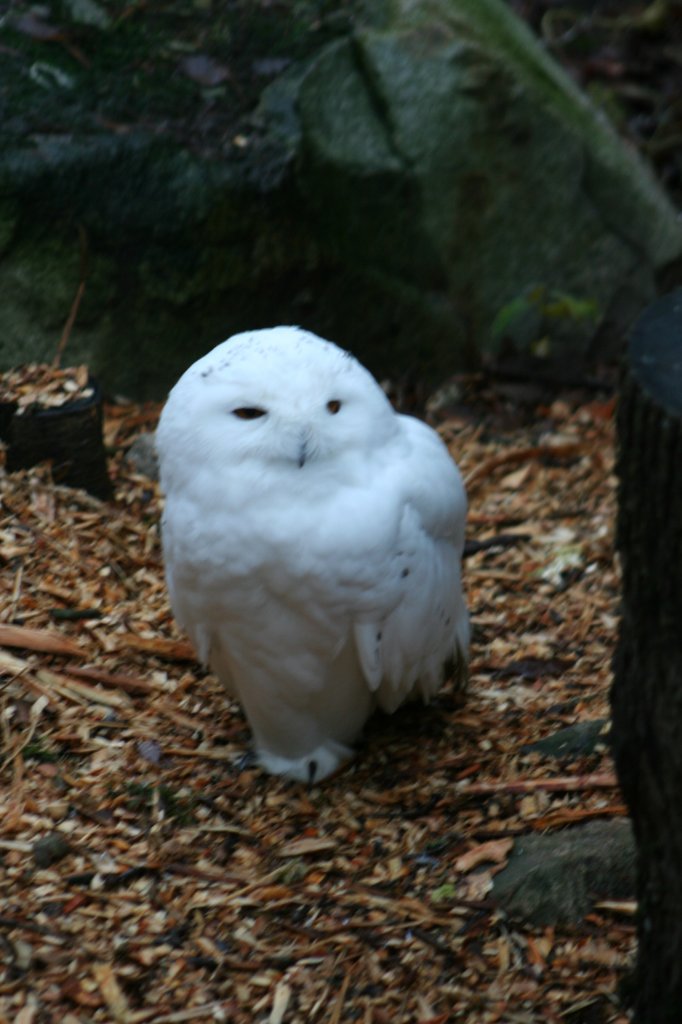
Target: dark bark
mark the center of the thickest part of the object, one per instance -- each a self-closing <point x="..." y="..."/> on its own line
<point x="647" y="691"/>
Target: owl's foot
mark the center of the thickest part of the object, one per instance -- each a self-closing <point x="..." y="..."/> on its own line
<point x="247" y="760"/>
<point x="312" y="767"/>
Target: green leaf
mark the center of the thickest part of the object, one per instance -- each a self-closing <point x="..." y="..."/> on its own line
<point x="443" y="893"/>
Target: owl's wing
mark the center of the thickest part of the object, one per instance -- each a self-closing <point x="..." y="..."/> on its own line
<point x="419" y="622"/>
<point x="205" y="640"/>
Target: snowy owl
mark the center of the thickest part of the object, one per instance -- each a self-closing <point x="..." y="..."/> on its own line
<point x="312" y="541"/>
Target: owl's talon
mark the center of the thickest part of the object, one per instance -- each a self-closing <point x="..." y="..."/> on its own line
<point x="315" y="766"/>
<point x="249" y="759"/>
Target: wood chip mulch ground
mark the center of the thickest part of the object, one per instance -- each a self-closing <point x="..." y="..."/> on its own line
<point x="148" y="872"/>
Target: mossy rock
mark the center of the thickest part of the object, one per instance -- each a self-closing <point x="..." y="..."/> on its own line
<point x="419" y="182"/>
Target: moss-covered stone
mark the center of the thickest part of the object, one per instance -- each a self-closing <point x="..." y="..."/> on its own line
<point x="495" y="174"/>
<point x="399" y="176"/>
<point x="9" y="220"/>
<point x="556" y="879"/>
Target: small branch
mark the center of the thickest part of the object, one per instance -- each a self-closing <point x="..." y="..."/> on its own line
<point x="116" y="679"/>
<point x="503" y="540"/>
<point x="564" y="784"/>
<point x="337" y="1008"/>
<point x="68" y="327"/>
<point x="543" y="451"/>
<point x="569" y="816"/>
<point x="213" y="1010"/>
<point x="38" y="640"/>
<point x="75" y="305"/>
<point x="171" y="650"/>
<point x="32" y="926"/>
<point x="482" y="519"/>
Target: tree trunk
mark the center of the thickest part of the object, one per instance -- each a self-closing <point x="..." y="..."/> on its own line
<point x="70" y="435"/>
<point x="646" y="696"/>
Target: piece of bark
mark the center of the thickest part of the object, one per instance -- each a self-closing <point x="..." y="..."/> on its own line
<point x="647" y="690"/>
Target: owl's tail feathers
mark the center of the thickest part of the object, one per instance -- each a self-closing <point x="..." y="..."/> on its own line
<point x="457" y="665"/>
<point x="457" y="669"/>
<point x="312" y="767"/>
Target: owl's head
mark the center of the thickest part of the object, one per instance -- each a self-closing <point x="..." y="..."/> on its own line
<point x="279" y="396"/>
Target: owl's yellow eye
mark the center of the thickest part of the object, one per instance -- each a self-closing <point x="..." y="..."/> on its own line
<point x="248" y="412"/>
<point x="333" y="406"/>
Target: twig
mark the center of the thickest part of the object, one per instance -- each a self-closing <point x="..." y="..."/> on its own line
<point x="75" y="305"/>
<point x="542" y="451"/>
<point x="627" y="907"/>
<point x="207" y="755"/>
<point x="564" y="784"/>
<point x="503" y="540"/>
<point x="484" y="519"/>
<point x="116" y="679"/>
<point x="171" y="650"/>
<point x="68" y="327"/>
<point x="335" y="1016"/>
<point x="32" y="926"/>
<point x="568" y="816"/>
<point x="38" y="640"/>
<point x="80" y="692"/>
<point x="207" y="1010"/>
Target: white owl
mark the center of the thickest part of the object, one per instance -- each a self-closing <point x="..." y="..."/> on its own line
<point x="312" y="541"/>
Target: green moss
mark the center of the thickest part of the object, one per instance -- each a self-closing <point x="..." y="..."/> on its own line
<point x="9" y="219"/>
<point x="142" y="798"/>
<point x="38" y="750"/>
<point x="128" y="72"/>
<point x="44" y="277"/>
<point x="393" y="190"/>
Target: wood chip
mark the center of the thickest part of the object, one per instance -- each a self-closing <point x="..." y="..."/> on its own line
<point x="280" y="1003"/>
<point x="111" y="992"/>
<point x="38" y="640"/>
<point x="301" y="847"/>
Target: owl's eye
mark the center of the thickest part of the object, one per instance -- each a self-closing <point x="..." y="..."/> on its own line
<point x="333" y="406"/>
<point x="248" y="412"/>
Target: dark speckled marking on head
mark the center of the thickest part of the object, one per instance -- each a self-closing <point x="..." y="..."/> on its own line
<point x="278" y="351"/>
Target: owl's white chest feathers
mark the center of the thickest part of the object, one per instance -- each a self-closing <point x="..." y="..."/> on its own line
<point x="294" y="541"/>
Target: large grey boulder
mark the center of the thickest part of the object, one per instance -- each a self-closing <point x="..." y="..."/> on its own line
<point x="416" y="189"/>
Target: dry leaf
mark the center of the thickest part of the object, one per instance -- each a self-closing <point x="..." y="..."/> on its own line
<point x="496" y="850"/>
<point x="300" y="847"/>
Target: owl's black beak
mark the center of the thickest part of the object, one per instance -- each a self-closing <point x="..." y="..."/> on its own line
<point x="302" y="454"/>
